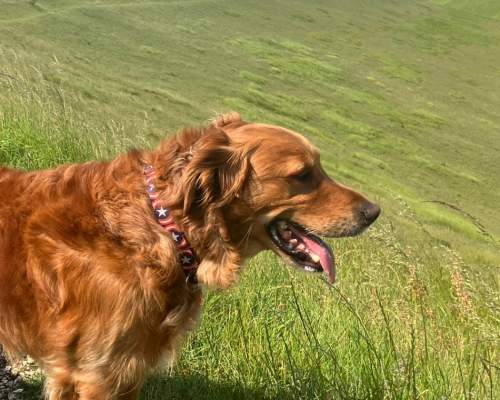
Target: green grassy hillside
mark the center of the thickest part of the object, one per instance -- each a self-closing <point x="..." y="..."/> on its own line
<point x="402" y="98"/>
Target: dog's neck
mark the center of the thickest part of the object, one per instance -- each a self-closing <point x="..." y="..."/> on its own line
<point x="219" y="259"/>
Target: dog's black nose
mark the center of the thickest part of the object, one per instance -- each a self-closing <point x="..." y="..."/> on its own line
<point x="369" y="212"/>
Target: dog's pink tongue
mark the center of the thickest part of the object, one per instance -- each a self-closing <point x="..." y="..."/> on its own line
<point x="326" y="257"/>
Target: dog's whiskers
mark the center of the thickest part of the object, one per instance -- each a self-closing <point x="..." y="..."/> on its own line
<point x="246" y="238"/>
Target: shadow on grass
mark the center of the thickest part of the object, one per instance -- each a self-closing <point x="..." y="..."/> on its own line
<point x="194" y="386"/>
<point x="32" y="390"/>
<point x="200" y="387"/>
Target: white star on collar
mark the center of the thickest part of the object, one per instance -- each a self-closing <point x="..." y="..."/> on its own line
<point x="176" y="236"/>
<point x="186" y="260"/>
<point x="162" y="212"/>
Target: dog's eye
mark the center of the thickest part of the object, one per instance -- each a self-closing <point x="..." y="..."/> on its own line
<point x="303" y="176"/>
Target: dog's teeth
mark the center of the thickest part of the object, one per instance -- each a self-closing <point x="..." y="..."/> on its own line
<point x="314" y="257"/>
<point x="309" y="269"/>
<point x="286" y="235"/>
<point x="282" y="225"/>
<point x="293" y="242"/>
<point x="301" y="246"/>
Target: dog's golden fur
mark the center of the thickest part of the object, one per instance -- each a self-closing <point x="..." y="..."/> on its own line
<point x="90" y="284"/>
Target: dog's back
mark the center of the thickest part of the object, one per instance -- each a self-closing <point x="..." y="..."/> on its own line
<point x="28" y="201"/>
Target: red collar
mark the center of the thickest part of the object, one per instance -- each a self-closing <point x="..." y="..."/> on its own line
<point x="187" y="256"/>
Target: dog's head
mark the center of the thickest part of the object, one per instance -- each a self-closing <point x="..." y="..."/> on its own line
<point x="263" y="186"/>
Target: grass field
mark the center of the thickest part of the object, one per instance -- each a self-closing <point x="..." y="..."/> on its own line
<point x="402" y="98"/>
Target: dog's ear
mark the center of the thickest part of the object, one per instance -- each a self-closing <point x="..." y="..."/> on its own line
<point x="216" y="173"/>
<point x="214" y="176"/>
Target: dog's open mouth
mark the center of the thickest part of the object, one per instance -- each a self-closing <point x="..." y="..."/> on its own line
<point x="303" y="248"/>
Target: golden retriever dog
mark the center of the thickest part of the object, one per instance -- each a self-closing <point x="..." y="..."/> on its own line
<point x="102" y="264"/>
